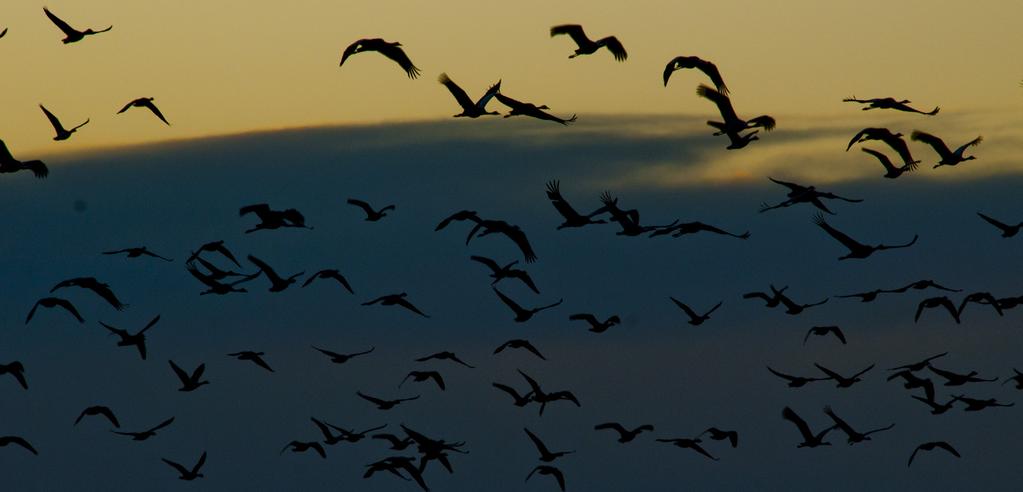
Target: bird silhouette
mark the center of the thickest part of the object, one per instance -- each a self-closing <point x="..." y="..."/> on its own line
<point x="929" y="400"/>
<point x="189" y="382"/>
<point x="795" y="381"/>
<point x="188" y="474"/>
<point x="397" y="443"/>
<point x="339" y="358"/>
<point x="445" y="355"/>
<point x="99" y="410"/>
<point x="136" y="252"/>
<point x="624" y="435"/>
<point x="919" y="365"/>
<point x="686" y="443"/>
<point x="17" y="440"/>
<point x="695" y="319"/>
<point x="708" y="68"/>
<point x="145" y="102"/>
<point x="518" y="343"/>
<point x="842" y="381"/>
<point x="521" y="314"/>
<point x="983" y="298"/>
<point x="90" y="283"/>
<point x="395" y="300"/>
<point x="50" y="302"/>
<point x="772" y="300"/>
<point x="519" y="108"/>
<point x="891" y="171"/>
<point x="890" y="103"/>
<point x="395" y="465"/>
<point x="4" y="32"/>
<point x="213" y="286"/>
<point x="498" y="272"/>
<point x="956" y="379"/>
<point x="17" y="370"/>
<point x="460" y="216"/>
<point x="683" y="228"/>
<point x="586" y="46"/>
<point x="596" y="326"/>
<point x="301" y="447"/>
<point x="549" y="471"/>
<point x="371" y="214"/>
<point x="948" y="157"/>
<point x="255" y="357"/>
<point x="856" y="249"/>
<point x="273" y="219"/>
<point x="572" y="218"/>
<point x="470" y="109"/>
<point x="930" y="446"/>
<point x="853" y="436"/>
<point x="8" y="164"/>
<point x="720" y="435"/>
<point x="627" y="219"/>
<point x="869" y="296"/>
<point x="146" y="434"/>
<point x="935" y="302"/>
<point x="421" y="376"/>
<point x="330" y="274"/>
<point x="391" y="50"/>
<point x="893" y="140"/>
<point x="71" y="34"/>
<point x="976" y="405"/>
<point x="1017" y="378"/>
<point x="384" y="404"/>
<point x="824" y="331"/>
<point x="810" y="440"/>
<point x="805" y="194"/>
<point x="792" y="308"/>
<point x="137" y="339"/>
<point x="546" y="455"/>
<point x="738" y="140"/>
<point x="543" y="398"/>
<point x="62" y="133"/>
<point x="214" y="247"/>
<point x="1007" y="230"/>
<point x="520" y="399"/>
<point x="277" y="283"/>
<point x="732" y="123"/>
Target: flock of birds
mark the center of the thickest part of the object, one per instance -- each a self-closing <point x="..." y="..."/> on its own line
<point x="212" y="265"/>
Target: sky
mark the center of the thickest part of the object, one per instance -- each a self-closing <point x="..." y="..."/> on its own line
<point x="276" y="121"/>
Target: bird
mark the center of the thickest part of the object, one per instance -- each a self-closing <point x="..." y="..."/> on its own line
<point x="842" y="381"/>
<point x="708" y="68"/>
<point x="810" y="440"/>
<point x="891" y="172"/>
<point x="145" y="102"/>
<point x="934" y="302"/>
<point x="8" y="164"/>
<point x="980" y="298"/>
<point x="893" y="140"/>
<point x="1017" y="378"/>
<point x="1007" y="230"/>
<point x="392" y="50"/>
<point x="586" y="46"/>
<point x="71" y="34"/>
<point x="852" y="435"/>
<point x="255" y="357"/>
<point x="956" y="379"/>
<point x="570" y="216"/>
<point x="384" y="404"/>
<point x="189" y="382"/>
<point x="273" y="219"/>
<point x="976" y="405"/>
<point x="137" y="252"/>
<point x="338" y="358"/>
<point x="681" y="229"/>
<point x="512" y="232"/>
<point x="277" y="283"/>
<point x="732" y="123"/>
<point x="498" y="272"/>
<point x="214" y="247"/>
<point x="99" y="410"/>
<point x="924" y="284"/>
<point x="530" y="109"/>
<point x="856" y="249"/>
<point x="919" y="365"/>
<point x="146" y="434"/>
<point x="49" y="302"/>
<point x="721" y="435"/>
<point x="4" y="32"/>
<point x="771" y="301"/>
<point x="101" y="289"/>
<point x="301" y="447"/>
<point x="396" y="300"/>
<point x="521" y="314"/>
<point x="624" y="435"/>
<point x="912" y="381"/>
<point x="395" y="465"/>
<point x="188" y="474"/>
<point x="62" y="133"/>
<point x="695" y="319"/>
<point x="738" y="140"/>
<point x="137" y="339"/>
<point x="948" y="157"/>
<point x="596" y="326"/>
<point x="461" y="215"/>
<point x="929" y="400"/>
<point x="470" y="109"/>
<point x="445" y="356"/>
<point x="371" y="214"/>
<point x="518" y="343"/>
<point x="551" y="471"/>
<point x="17" y="370"/>
<point x="687" y="443"/>
<point x="213" y="286"/>
<point x="824" y="331"/>
<point x="805" y="194"/>
<point x="330" y="274"/>
<point x="20" y="441"/>
<point x="792" y="308"/>
<point x="869" y="296"/>
<point x="397" y="443"/>
<point x="890" y="103"/>
<point x="520" y="400"/>
<point x="930" y="446"/>
<point x="421" y="376"/>
<point x="546" y="455"/>
<point x="795" y="381"/>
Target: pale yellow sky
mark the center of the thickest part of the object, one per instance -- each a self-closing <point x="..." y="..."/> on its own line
<point x="226" y="66"/>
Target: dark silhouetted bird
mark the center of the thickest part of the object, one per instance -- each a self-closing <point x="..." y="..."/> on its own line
<point x="866" y="296"/>
<point x="186" y="473"/>
<point x="738" y="140"/>
<point x="708" y="68"/>
<point x="891" y="171"/>
<point x="929" y="400"/>
<point x="596" y="326"/>
<point x="136" y="252"/>
<point x="795" y="381"/>
<point x="521" y="314"/>
<point x="772" y="300"/>
<point x="461" y="215"/>
<point x="983" y="298"/>
<point x="20" y="441"/>
<point x="189" y="382"/>
<point x="912" y="381"/>
<point x="395" y="300"/>
<point x="498" y="272"/>
<point x="792" y="308"/>
<point x="856" y="249"/>
<point x="1007" y="230"/>
<point x="956" y="379"/>
<point x="395" y="465"/>
<point x="301" y="447"/>
<point x="50" y="302"/>
<point x="893" y="140"/>
<point x="695" y="319"/>
<point x="421" y="376"/>
<point x="520" y="400"/>
<point x="853" y="436"/>
<point x="732" y="123"/>
<point x="935" y="302"/>
<point x="805" y="194"/>
<point x="342" y="358"/>
<point x="101" y="411"/>
<point x="529" y="109"/>
<point x="1017" y="378"/>
<point x="388" y="49"/>
<point x="518" y="343"/>
<point x="384" y="404"/>
<point x="214" y="247"/>
<point x="550" y="471"/>
<point x="128" y="339"/>
<point x="213" y="286"/>
<point x="371" y="214"/>
<point x="71" y="34"/>
<point x="976" y="405"/>
<point x="919" y="365"/>
<point x="397" y="443"/>
<point x="681" y="229"/>
<point x="62" y="133"/>
<point x="145" y="102"/>
<point x="810" y="440"/>
<point x="146" y="434"/>
<point x="90" y="283"/>
<point x="948" y="157"/>
<point x="721" y="435"/>
<point x="890" y="103"/>
<point x="445" y="356"/>
<point x="572" y="218"/>
<point x="930" y="446"/>
<point x="586" y="46"/>
<point x="922" y="285"/>
<point x="842" y="381"/>
<point x="624" y="435"/>
<point x="277" y="283"/>
<point x="8" y="164"/>
<point x="273" y="219"/>
<point x="824" y="331"/>
<point x="686" y="443"/>
<point x="255" y="357"/>
<point x="470" y="109"/>
<point x="330" y="274"/>
<point x="17" y="370"/>
<point x="546" y="455"/>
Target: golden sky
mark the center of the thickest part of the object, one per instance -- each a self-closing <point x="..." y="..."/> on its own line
<point x="227" y="66"/>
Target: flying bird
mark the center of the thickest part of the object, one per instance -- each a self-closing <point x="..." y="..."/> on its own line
<point x="708" y="68"/>
<point x="890" y="103"/>
<point x="277" y="283"/>
<point x="732" y="123"/>
<point x="17" y="370"/>
<point x="936" y="302"/>
<point x="976" y="405"/>
<point x="214" y="247"/>
<point x="371" y="214"/>
<point x="99" y="410"/>
<point x="518" y="343"/>
<point x="624" y="435"/>
<point x="522" y="314"/>
<point x="681" y="229"/>
<point x="136" y="252"/>
<point x="470" y="109"/>
<point x="384" y="404"/>
<point x="186" y="473"/>
<point x="71" y="34"/>
<point x="853" y="435"/>
<point x="596" y="326"/>
<point x="255" y="357"/>
<point x="20" y="441"/>
<point x="924" y="284"/>
<point x="338" y="358"/>
<point x="930" y="446"/>
<point x="856" y="249"/>
<point x="273" y="219"/>
<point x="137" y="339"/>
<point x="189" y="382"/>
<point x="686" y="443"/>
<point x="330" y="274"/>
<point x="8" y="164"/>
<point x="572" y="218"/>
<point x="810" y="440"/>
<point x="145" y="102"/>
<point x="498" y="272"/>
<point x="805" y="194"/>
<point x="695" y="319"/>
<point x="919" y="365"/>
<point x="213" y="286"/>
<point x="956" y="379"/>
<point x="948" y="157"/>
<point x="62" y="133"/>
<point x="795" y="381"/>
<point x="1007" y="230"/>
<point x="893" y="140"/>
<point x="146" y="434"/>
<point x="891" y="171"/>
<point x="421" y="376"/>
<point x="301" y="447"/>
<point x="90" y="283"/>
<point x="546" y="455"/>
<point x="721" y="435"/>
<point x="586" y="46"/>
<point x="51" y="302"/>
<point x="445" y="356"/>
<point x="550" y="471"/>
<point x="388" y="49"/>
<point x="520" y="399"/>
<point x="824" y="331"/>
<point x="395" y="300"/>
<point x="842" y="381"/>
<point x="530" y="109"/>
<point x="1016" y="378"/>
